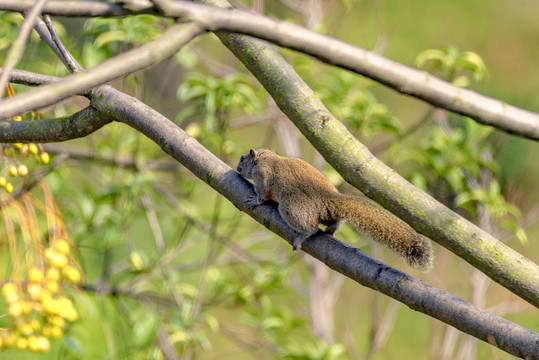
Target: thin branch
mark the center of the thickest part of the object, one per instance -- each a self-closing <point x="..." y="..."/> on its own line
<point x="349" y="261"/>
<point x="69" y="61"/>
<point x="124" y="162"/>
<point x="34" y="181"/>
<point x="17" y="48"/>
<point x="115" y="68"/>
<point x="402" y="78"/>
<point x="43" y="31"/>
<point x="84" y="8"/>
<point x="375" y="179"/>
<point x="384" y="145"/>
<point x="30" y="78"/>
<point x="80" y="124"/>
<point x="236" y="250"/>
<point x="166" y="346"/>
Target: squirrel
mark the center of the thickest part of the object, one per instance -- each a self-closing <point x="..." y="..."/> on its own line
<point x="306" y="198"/>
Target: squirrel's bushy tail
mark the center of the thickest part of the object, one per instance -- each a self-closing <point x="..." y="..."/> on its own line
<point x="387" y="229"/>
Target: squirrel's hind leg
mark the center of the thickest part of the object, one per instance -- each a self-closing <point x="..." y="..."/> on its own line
<point x="333" y="227"/>
<point x="298" y="241"/>
<point x="302" y="220"/>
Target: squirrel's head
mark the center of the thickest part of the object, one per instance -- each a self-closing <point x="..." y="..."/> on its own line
<point x="249" y="160"/>
<point x="247" y="163"/>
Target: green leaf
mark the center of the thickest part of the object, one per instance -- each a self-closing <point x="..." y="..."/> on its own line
<point x="461" y="81"/>
<point x="187" y="290"/>
<point x="109" y="36"/>
<point x="92" y="55"/>
<point x="419" y="180"/>
<point x="472" y="62"/>
<point x="522" y="236"/>
<point x="429" y="55"/>
<point x="145" y="329"/>
<point x="212" y="323"/>
<point x="272" y="322"/>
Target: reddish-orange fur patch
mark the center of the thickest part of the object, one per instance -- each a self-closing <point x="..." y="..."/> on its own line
<point x="269" y="195"/>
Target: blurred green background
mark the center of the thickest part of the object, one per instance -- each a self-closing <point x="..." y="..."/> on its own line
<point x="165" y="257"/>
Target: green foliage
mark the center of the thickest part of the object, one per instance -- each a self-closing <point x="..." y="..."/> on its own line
<point x="44" y="60"/>
<point x="452" y="162"/>
<point x="453" y="65"/>
<point x="452" y="158"/>
<point x="108" y="37"/>
<point x="216" y="284"/>
<point x="214" y="99"/>
<point x="321" y="351"/>
<point x="9" y="27"/>
<point x="351" y="98"/>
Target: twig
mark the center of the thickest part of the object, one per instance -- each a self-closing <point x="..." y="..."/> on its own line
<point x="82" y="8"/>
<point x="69" y="61"/>
<point x="239" y="252"/>
<point x="399" y="77"/>
<point x="17" y="48"/>
<point x="34" y="181"/>
<point x="384" y="145"/>
<point x="43" y="32"/>
<point x="84" y="154"/>
<point x="402" y="78"/>
<point x="115" y="68"/>
<point x="154" y="223"/>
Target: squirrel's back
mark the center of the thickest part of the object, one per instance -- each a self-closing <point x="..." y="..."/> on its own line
<point x="307" y="180"/>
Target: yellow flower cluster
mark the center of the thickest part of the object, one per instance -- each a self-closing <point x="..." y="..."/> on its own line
<point x="37" y="307"/>
<point x="25" y="150"/>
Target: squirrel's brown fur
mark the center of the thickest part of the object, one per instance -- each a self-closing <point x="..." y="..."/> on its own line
<point x="306" y="198"/>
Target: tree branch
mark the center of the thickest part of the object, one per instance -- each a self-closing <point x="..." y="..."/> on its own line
<point x="30" y="78"/>
<point x="65" y="56"/>
<point x="78" y="125"/>
<point x="402" y="78"/>
<point x="83" y="8"/>
<point x="17" y="48"/>
<point x="117" y="67"/>
<point x="123" y="162"/>
<point x="349" y="261"/>
<point x="376" y="180"/>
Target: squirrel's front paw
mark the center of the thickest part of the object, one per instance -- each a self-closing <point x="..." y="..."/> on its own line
<point x="296" y="245"/>
<point x="252" y="202"/>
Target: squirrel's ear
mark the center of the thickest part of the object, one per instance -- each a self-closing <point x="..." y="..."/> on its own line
<point x="253" y="153"/>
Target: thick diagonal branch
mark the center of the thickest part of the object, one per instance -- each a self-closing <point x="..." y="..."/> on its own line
<point x="417" y="295"/>
<point x="349" y="261"/>
<point x="376" y="180"/>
